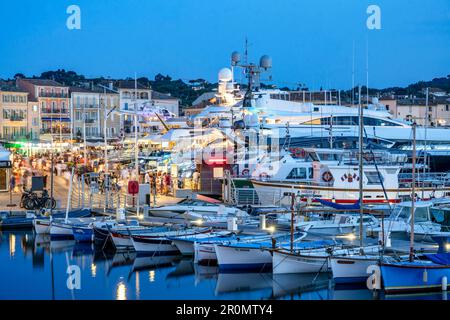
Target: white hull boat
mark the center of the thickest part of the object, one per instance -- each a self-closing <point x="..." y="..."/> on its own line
<point x="352" y="269"/>
<point x="159" y="243"/>
<point x="308" y="261"/>
<point x="242" y="257"/>
<point x="41" y="226"/>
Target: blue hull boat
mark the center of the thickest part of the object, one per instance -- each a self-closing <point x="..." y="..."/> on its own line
<point x="416" y="276"/>
<point x="83" y="234"/>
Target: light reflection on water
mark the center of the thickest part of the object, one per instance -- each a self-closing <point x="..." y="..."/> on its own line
<point x="26" y="273"/>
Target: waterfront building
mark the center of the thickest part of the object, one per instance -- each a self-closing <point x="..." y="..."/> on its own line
<point x="132" y="95"/>
<point x="437" y="113"/>
<point x="91" y="105"/>
<point x="18" y="118"/>
<point x="53" y="102"/>
<point x="166" y="101"/>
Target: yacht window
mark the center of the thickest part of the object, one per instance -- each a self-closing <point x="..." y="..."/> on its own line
<point x="421" y="214"/>
<point x="297" y="173"/>
<point x="373" y="177"/>
<point x="404" y="212"/>
<point x="329" y="157"/>
<point x="378" y="122"/>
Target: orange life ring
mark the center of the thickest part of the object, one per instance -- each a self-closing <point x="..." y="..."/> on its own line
<point x="327" y="176"/>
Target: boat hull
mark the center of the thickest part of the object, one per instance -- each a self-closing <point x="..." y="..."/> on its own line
<point x="205" y="253"/>
<point x="285" y="262"/>
<point x="410" y="278"/>
<point x="154" y="246"/>
<point x="60" y="231"/>
<point x="121" y="241"/>
<point x="41" y="226"/>
<point x="241" y="258"/>
<point x="186" y="248"/>
<point x="351" y="269"/>
<point x="83" y="234"/>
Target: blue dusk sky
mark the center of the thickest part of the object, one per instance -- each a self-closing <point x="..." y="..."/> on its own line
<point x="310" y="41"/>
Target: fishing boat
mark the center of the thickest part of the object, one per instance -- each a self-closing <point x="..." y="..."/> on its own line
<point x="204" y="249"/>
<point x="257" y="256"/>
<point x="10" y="220"/>
<point x="61" y="229"/>
<point x="159" y="244"/>
<point x="398" y="224"/>
<point x="121" y="235"/>
<point x="427" y="272"/>
<point x="285" y="261"/>
<point x="41" y="224"/>
<point x="185" y="244"/>
<point x="335" y="224"/>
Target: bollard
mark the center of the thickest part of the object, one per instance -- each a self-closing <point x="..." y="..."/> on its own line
<point x="262" y="221"/>
<point x="444" y="283"/>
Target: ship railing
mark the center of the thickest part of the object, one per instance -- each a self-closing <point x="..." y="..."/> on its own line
<point x="428" y="179"/>
<point x="249" y="196"/>
<point x="309" y="182"/>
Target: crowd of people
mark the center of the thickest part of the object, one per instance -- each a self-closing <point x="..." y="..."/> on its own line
<point x="25" y="167"/>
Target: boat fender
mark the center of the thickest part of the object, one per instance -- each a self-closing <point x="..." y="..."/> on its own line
<point x="444" y="283"/>
<point x="425" y="275"/>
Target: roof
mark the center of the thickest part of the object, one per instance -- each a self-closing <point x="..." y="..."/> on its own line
<point x="162" y="96"/>
<point x="10" y="87"/>
<point x="44" y="82"/>
<point x="95" y="89"/>
<point x="129" y="84"/>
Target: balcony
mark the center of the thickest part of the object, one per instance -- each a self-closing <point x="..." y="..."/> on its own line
<point x="86" y="106"/>
<point x="53" y="95"/>
<point x="16" y="119"/>
<point x="55" y="131"/>
<point x="54" y="111"/>
<point x="90" y="121"/>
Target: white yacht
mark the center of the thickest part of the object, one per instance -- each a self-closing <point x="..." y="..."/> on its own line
<point x="332" y="175"/>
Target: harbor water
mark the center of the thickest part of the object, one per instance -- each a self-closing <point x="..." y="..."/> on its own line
<point x="33" y="267"/>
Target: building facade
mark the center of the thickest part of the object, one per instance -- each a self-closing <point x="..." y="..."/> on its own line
<point x="53" y="102"/>
<point x="16" y="115"/>
<point x="89" y="107"/>
<point x="434" y="113"/>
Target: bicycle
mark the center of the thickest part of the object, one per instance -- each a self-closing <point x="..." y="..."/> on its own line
<point x="33" y="201"/>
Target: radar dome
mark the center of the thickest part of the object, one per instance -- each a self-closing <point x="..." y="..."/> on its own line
<point x="235" y="58"/>
<point x="265" y="62"/>
<point x="225" y="75"/>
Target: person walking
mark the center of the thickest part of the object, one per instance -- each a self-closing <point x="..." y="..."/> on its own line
<point x="166" y="183"/>
<point x="195" y="180"/>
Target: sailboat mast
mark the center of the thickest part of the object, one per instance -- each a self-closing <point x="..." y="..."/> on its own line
<point x="361" y="174"/>
<point x="425" y="147"/>
<point x="413" y="194"/>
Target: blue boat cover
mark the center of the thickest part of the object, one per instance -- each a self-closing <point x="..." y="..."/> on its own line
<point x="338" y="206"/>
<point x="440" y="258"/>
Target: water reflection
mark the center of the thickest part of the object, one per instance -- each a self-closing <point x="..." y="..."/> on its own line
<point x="12" y="245"/>
<point x="126" y="276"/>
<point x="121" y="291"/>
